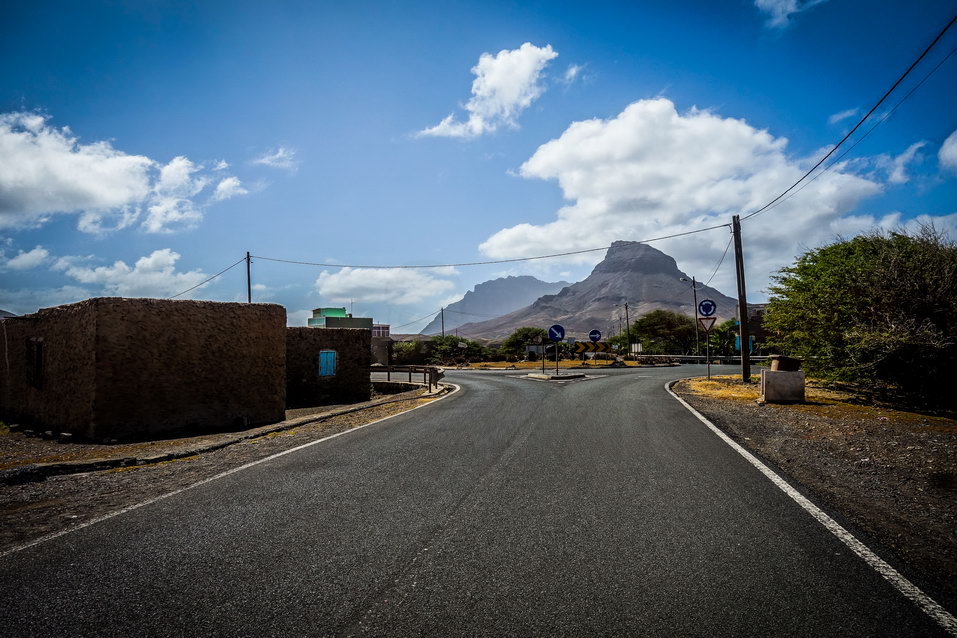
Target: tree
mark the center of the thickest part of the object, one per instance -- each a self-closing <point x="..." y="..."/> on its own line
<point x="515" y="343"/>
<point x="877" y="309"/>
<point x="723" y="338"/>
<point x="664" y="332"/>
<point x="449" y="349"/>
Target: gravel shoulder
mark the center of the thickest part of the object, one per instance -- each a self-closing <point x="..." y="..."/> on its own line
<point x="892" y="473"/>
<point x="34" y="509"/>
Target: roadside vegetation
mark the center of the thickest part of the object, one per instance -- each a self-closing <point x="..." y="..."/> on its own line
<point x="878" y="311"/>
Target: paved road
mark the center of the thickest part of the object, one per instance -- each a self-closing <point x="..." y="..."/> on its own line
<point x="512" y="507"/>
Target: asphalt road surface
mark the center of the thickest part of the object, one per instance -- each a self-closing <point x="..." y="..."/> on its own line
<point x="512" y="507"/>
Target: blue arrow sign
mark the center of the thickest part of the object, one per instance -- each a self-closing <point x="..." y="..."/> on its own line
<point x="595" y="336"/>
<point x="556" y="333"/>
<point x="707" y="308"/>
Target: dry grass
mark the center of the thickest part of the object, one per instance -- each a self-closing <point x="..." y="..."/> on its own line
<point x="532" y="365"/>
<point x="822" y="401"/>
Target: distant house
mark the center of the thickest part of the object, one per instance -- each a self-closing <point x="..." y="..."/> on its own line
<point x="380" y="329"/>
<point x="337" y="318"/>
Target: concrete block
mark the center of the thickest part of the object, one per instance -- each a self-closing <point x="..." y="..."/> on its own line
<point x="778" y="386"/>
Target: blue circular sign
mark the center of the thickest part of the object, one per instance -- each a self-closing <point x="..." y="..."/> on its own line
<point x="595" y="336"/>
<point x="707" y="308"/>
<point x="556" y="333"/>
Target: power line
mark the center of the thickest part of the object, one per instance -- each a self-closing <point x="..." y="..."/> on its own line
<point x="208" y="280"/>
<point x="720" y="261"/>
<point x="491" y="261"/>
<point x="858" y="125"/>
<point x="863" y="137"/>
<point x="434" y="312"/>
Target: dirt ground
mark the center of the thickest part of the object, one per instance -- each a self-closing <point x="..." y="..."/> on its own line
<point x="32" y="510"/>
<point x="892" y="473"/>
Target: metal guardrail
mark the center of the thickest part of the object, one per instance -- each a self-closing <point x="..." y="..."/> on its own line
<point x="430" y="374"/>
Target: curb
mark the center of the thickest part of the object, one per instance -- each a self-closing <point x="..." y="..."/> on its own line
<point x="36" y="472"/>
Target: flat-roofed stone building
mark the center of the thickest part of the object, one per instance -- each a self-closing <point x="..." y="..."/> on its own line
<point x="121" y="368"/>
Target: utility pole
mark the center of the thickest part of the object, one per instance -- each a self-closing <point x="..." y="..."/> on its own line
<point x="443" y="321"/>
<point x="249" y="285"/>
<point x="744" y="333"/>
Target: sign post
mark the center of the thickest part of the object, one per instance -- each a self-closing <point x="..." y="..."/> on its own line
<point x="707" y="323"/>
<point x="556" y="333"/>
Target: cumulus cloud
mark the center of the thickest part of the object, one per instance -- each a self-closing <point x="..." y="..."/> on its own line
<point x="27" y="300"/>
<point x="28" y="260"/>
<point x="842" y="115"/>
<point x="283" y="157"/>
<point x="229" y="187"/>
<point x="154" y="275"/>
<point x="46" y="170"/>
<point x="505" y="85"/>
<point x="388" y="285"/>
<point x="947" y="155"/>
<point x="652" y="171"/>
<point x="780" y="11"/>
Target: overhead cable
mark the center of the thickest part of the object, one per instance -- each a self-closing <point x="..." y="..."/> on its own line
<point x="491" y="261"/>
<point x="208" y="280"/>
<point x="858" y="125"/>
<point x="883" y="118"/>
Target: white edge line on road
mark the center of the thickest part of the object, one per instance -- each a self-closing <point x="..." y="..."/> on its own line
<point x="130" y="508"/>
<point x="904" y="586"/>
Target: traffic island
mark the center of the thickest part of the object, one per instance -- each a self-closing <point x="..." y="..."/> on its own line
<point x="555" y="377"/>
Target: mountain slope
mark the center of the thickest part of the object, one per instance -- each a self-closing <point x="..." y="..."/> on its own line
<point x="492" y="299"/>
<point x="644" y="277"/>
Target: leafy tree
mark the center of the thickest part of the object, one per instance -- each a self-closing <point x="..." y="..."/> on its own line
<point x="878" y="309"/>
<point x="447" y="349"/>
<point x="664" y="332"/>
<point x="515" y="343"/>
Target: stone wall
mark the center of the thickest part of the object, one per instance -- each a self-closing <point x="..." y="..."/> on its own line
<point x="163" y="365"/>
<point x="304" y="386"/>
<point x="118" y="368"/>
<point x="61" y="391"/>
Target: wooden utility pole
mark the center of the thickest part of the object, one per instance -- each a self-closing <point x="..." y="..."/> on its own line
<point x="443" y="321"/>
<point x="249" y="285"/>
<point x="743" y="332"/>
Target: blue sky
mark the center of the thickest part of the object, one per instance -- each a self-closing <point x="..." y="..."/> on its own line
<point x="146" y="146"/>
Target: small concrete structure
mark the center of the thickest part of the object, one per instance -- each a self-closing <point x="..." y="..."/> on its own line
<point x="554" y="377"/>
<point x="782" y="386"/>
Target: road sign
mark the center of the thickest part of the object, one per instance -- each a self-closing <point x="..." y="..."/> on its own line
<point x="592" y="346"/>
<point x="707" y="323"/>
<point x="595" y="335"/>
<point x="707" y="308"/>
<point x="556" y="333"/>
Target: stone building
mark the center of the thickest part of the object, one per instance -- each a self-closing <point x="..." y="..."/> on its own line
<point x="330" y="365"/>
<point x="119" y="368"/>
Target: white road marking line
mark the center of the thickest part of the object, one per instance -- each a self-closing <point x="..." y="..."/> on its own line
<point x="124" y="510"/>
<point x="911" y="591"/>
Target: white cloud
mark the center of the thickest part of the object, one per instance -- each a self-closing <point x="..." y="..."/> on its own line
<point x="282" y="157"/>
<point x="947" y="155"/>
<point x="842" y="115"/>
<point x="572" y="73"/>
<point x="505" y="85"/>
<point x="389" y="285"/>
<point x="152" y="276"/>
<point x="652" y="171"/>
<point x="45" y="171"/>
<point x="229" y="187"/>
<point x="898" y="166"/>
<point x="28" y="260"/>
<point x="780" y="11"/>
